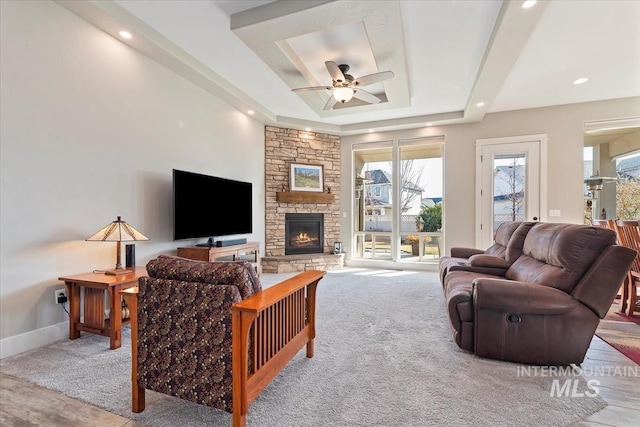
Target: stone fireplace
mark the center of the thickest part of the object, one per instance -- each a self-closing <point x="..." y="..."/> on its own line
<point x="303" y="233"/>
<point x="288" y="249"/>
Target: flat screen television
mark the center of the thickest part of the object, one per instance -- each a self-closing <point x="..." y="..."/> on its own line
<point x="210" y="206"/>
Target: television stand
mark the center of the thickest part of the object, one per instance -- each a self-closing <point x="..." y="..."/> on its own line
<point x="210" y="243"/>
<point x="249" y="251"/>
<point x="221" y="243"/>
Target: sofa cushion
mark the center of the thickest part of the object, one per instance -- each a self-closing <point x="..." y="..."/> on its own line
<point x="513" y="249"/>
<point x="501" y="238"/>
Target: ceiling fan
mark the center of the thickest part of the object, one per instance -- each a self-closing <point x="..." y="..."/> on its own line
<point x="345" y="86"/>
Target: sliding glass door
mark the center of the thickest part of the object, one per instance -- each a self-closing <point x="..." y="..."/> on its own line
<point x="421" y="231"/>
<point x="398" y="200"/>
<point x="373" y="201"/>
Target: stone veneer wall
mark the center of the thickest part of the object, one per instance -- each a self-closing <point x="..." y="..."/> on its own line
<point x="286" y="146"/>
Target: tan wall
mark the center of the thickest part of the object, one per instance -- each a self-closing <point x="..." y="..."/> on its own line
<point x="286" y="146"/>
<point x="562" y="124"/>
<point x="92" y="129"/>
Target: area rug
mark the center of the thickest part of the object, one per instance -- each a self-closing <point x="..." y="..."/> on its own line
<point x="384" y="356"/>
<point x="622" y="332"/>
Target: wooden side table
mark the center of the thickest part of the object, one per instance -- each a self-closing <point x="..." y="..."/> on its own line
<point x="130" y="296"/>
<point x="95" y="285"/>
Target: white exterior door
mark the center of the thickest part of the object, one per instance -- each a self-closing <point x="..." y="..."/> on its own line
<point x="510" y="183"/>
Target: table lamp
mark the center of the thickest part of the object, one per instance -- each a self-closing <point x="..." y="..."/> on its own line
<point x="117" y="231"/>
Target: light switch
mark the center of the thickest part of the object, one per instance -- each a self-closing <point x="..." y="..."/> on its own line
<point x="554" y="212"/>
<point x="344" y="214"/>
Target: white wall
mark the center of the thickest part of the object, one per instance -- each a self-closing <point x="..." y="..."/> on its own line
<point x="91" y="129"/>
<point x="564" y="128"/>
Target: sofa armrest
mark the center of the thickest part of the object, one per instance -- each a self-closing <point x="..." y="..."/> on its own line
<point x="484" y="264"/>
<point x="271" y="295"/>
<point x="465" y="252"/>
<point x="491" y="261"/>
<point x="493" y="271"/>
<point x="279" y="321"/>
<point x="519" y="297"/>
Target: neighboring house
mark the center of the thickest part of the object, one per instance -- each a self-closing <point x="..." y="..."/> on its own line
<point x="378" y="193"/>
<point x="629" y="168"/>
<point x="378" y="196"/>
<point x="379" y="202"/>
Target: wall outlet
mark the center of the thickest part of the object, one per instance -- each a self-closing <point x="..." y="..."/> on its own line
<point x="554" y="212"/>
<point x="61" y="296"/>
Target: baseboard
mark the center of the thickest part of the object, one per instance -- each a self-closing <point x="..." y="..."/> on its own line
<point x="32" y="339"/>
<point x="412" y="266"/>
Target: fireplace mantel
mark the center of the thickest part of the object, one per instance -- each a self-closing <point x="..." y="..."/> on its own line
<point x="303" y="197"/>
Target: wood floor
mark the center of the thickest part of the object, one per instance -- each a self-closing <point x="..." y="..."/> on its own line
<point x="23" y="404"/>
<point x="622" y="393"/>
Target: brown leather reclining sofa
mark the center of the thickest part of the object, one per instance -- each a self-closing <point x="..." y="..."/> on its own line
<point x="546" y="306"/>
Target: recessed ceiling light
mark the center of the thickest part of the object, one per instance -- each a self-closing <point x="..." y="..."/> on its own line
<point x="307" y="129"/>
<point x="480" y="104"/>
<point x="250" y="112"/>
<point x="580" y="81"/>
<point x="526" y="4"/>
<point x="125" y="35"/>
<point x="429" y="124"/>
<point x="370" y="130"/>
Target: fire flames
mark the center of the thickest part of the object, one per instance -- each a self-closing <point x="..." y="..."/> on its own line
<point x="303" y="239"/>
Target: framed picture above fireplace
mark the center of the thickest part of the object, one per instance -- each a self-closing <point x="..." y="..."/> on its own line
<point x="306" y="178"/>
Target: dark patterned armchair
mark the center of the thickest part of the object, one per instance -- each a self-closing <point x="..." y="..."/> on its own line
<point x="206" y="331"/>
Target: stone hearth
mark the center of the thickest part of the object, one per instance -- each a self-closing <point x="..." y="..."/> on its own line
<point x="303" y="262"/>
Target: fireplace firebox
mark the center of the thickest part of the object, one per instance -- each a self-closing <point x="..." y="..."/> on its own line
<point x="304" y="233"/>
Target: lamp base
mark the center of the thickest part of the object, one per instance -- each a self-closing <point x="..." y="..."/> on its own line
<point x="117" y="272"/>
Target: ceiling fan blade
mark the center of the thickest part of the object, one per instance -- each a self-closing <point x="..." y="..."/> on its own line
<point x="372" y="78"/>
<point x="299" y="89"/>
<point x="330" y="103"/>
<point x="334" y="70"/>
<point x="365" y="96"/>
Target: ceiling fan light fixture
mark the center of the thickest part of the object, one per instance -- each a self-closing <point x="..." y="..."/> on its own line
<point x="343" y="94"/>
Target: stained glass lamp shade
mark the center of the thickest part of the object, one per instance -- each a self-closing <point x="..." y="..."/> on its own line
<point x="117" y="231"/>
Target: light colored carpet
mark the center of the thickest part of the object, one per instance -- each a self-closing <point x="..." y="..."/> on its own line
<point x="384" y="357"/>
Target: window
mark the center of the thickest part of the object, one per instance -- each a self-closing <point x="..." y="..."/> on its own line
<point x="398" y="200"/>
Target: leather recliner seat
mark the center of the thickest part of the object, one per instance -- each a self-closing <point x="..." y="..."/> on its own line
<point x="546" y="307"/>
